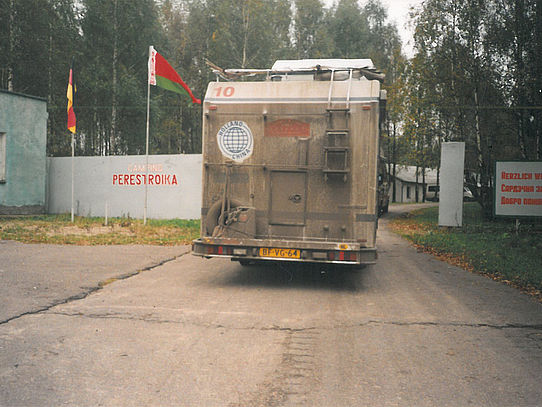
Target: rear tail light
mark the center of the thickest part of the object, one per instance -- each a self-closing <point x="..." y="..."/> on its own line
<point x="219" y="250"/>
<point x="342" y="256"/>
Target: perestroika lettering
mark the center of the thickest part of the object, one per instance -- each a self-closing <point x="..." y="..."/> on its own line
<point x="141" y="179"/>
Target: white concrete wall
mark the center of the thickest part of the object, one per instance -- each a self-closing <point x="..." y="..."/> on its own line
<point x="452" y="163"/>
<point x="174" y="189"/>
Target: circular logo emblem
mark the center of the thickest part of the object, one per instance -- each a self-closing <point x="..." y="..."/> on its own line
<point x="235" y="140"/>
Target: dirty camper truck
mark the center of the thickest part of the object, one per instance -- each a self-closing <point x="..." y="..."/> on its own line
<point x="290" y="163"/>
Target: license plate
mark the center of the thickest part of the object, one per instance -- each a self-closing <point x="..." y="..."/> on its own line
<point x="280" y="253"/>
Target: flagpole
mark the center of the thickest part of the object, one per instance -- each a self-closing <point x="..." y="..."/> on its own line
<point x="147" y="144"/>
<point x="73" y="170"/>
<point x="71" y="126"/>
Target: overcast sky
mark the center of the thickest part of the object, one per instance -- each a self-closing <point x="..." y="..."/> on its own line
<point x="397" y="11"/>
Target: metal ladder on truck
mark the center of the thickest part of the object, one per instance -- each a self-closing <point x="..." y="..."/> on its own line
<point x="337" y="140"/>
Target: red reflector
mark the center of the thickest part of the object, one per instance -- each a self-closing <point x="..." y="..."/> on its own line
<point x="220" y="249"/>
<point x="213" y="107"/>
<point x="331" y="256"/>
<point x="341" y="256"/>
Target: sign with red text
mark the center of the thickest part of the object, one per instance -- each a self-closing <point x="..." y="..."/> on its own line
<point x="518" y="188"/>
<point x="137" y="174"/>
<point x="116" y="185"/>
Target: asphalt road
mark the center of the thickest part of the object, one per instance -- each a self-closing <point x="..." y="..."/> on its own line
<point x="410" y="331"/>
<point x="36" y="277"/>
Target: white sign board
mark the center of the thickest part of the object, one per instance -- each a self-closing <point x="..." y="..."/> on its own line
<point x="518" y="188"/>
<point x="452" y="163"/>
<point x="116" y="184"/>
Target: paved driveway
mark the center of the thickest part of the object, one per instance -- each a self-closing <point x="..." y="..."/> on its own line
<point x="35" y="277"/>
<point x="409" y="331"/>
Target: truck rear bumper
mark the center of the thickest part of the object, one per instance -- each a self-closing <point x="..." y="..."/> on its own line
<point x="345" y="253"/>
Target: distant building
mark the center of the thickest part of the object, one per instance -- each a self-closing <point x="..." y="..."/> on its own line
<point x="406" y="184"/>
<point x="23" y="142"/>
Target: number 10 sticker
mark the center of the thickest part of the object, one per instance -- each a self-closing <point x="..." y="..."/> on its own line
<point x="228" y="91"/>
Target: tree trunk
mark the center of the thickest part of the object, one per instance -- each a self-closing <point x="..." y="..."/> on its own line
<point x="486" y="195"/>
<point x="479" y="149"/>
<point x="538" y="75"/>
<point x="394" y="164"/>
<point x="246" y="24"/>
<point x="11" y="44"/>
<point x="520" y="74"/>
<point x="49" y="83"/>
<point x="423" y="184"/>
<point x="113" y="134"/>
<point x="417" y="179"/>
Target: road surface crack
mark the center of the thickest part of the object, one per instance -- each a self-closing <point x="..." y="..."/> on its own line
<point x="453" y="324"/>
<point x="89" y="290"/>
<point x="155" y="319"/>
<point x="75" y="297"/>
<point x="185" y="319"/>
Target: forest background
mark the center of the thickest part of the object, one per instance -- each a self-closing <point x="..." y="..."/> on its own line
<point x="475" y="74"/>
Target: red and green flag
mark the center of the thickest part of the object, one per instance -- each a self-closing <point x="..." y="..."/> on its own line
<point x="71" y="98"/>
<point x="162" y="74"/>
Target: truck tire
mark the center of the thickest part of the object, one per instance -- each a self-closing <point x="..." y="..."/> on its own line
<point x="211" y="220"/>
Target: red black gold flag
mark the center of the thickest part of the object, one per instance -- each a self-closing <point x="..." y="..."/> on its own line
<point x="71" y="99"/>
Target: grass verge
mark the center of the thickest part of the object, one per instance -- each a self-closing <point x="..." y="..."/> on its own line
<point x="58" y="229"/>
<point x="492" y="248"/>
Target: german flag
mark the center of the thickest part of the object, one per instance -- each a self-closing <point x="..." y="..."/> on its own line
<point x="71" y="99"/>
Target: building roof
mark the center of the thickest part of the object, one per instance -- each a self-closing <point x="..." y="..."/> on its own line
<point x="407" y="173"/>
<point x="23" y="95"/>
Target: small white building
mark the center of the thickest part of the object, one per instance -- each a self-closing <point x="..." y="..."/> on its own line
<point x="406" y="183"/>
<point x="23" y="140"/>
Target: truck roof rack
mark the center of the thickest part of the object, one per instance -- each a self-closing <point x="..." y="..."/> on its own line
<point x="321" y="69"/>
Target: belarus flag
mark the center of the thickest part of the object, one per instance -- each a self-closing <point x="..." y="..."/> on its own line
<point x="162" y="74"/>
